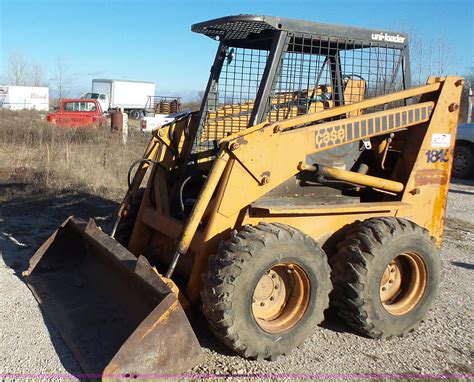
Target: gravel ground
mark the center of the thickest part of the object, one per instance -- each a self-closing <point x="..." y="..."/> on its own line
<point x="443" y="344"/>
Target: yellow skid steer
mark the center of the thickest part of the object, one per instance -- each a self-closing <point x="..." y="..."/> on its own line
<point x="312" y="174"/>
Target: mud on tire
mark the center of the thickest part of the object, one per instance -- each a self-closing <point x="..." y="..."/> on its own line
<point x="241" y="278"/>
<point x="386" y="274"/>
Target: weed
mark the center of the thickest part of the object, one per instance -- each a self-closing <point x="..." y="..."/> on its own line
<point x="57" y="158"/>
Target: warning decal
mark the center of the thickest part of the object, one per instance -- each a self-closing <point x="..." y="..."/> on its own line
<point x="441" y="140"/>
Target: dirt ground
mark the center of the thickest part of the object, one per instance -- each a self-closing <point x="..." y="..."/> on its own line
<point x="441" y="347"/>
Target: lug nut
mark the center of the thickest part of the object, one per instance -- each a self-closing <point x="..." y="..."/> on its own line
<point x="262" y="304"/>
<point x="234" y="146"/>
<point x="265" y="180"/>
<point x="384" y="289"/>
<point x="272" y="298"/>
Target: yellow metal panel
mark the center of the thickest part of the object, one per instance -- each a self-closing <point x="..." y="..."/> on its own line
<point x="355" y="208"/>
<point x="319" y="227"/>
<point x="329" y="113"/>
<point x="275" y="156"/>
<point x="427" y="187"/>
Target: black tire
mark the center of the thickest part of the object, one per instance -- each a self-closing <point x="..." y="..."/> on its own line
<point x="232" y="277"/>
<point x="463" y="162"/>
<point x="359" y="276"/>
<point x="135" y="114"/>
<point x="125" y="226"/>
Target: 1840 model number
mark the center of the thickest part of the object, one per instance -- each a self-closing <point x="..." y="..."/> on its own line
<point x="434" y="156"/>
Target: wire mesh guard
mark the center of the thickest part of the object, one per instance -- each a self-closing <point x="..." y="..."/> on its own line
<point x="230" y="109"/>
<point x="315" y="73"/>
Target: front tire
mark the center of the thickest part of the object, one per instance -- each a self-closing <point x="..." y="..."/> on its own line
<point x="266" y="290"/>
<point x="386" y="275"/>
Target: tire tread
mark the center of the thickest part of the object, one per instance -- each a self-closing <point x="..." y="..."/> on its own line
<point x="350" y="266"/>
<point x="233" y="257"/>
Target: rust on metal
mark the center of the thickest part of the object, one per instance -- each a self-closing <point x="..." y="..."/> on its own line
<point x="123" y="317"/>
<point x="453" y="107"/>
<point x="430" y="176"/>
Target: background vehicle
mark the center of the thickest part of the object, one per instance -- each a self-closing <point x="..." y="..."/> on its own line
<point x="276" y="196"/>
<point x="156" y="120"/>
<point x="78" y="113"/>
<point x="100" y="97"/>
<point x="129" y="95"/>
<point x="463" y="163"/>
<point x="24" y="97"/>
<point x="160" y="110"/>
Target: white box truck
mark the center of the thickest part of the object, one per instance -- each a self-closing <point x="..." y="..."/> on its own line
<point x="132" y="96"/>
<point x="24" y="97"/>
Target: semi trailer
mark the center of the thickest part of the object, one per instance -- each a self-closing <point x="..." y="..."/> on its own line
<point x="24" y="97"/>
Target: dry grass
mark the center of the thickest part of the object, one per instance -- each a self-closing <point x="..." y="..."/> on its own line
<point x="54" y="158"/>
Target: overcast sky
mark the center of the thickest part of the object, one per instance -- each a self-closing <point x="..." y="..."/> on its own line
<point x="152" y="40"/>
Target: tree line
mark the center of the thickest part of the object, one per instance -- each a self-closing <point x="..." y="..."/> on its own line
<point x="428" y="57"/>
<point x="22" y="71"/>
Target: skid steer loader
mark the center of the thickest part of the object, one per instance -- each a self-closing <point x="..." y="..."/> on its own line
<point x="312" y="172"/>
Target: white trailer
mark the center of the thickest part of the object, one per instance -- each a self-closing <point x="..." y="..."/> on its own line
<point x="24" y="97"/>
<point x="132" y="96"/>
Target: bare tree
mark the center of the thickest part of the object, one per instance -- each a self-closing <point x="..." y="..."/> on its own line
<point x="37" y="75"/>
<point x="444" y="56"/>
<point x="429" y="56"/>
<point x="62" y="79"/>
<point x="17" y="72"/>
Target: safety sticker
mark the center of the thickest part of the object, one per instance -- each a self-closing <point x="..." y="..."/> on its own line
<point x="441" y="140"/>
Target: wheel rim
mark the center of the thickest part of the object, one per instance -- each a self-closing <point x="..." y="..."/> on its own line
<point x="460" y="162"/>
<point x="281" y="298"/>
<point x="403" y="283"/>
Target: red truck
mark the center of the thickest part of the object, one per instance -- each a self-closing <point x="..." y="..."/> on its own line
<point x="78" y="113"/>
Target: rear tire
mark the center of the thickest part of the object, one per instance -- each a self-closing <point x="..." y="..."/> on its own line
<point x="386" y="275"/>
<point x="136" y="114"/>
<point x="463" y="162"/>
<point x="266" y="290"/>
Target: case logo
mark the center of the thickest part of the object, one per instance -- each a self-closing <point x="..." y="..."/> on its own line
<point x="330" y="136"/>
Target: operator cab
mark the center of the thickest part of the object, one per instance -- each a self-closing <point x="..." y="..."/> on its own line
<point x="271" y="69"/>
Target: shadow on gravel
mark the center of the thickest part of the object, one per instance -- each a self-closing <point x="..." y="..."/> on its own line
<point x="462" y="264"/>
<point x="28" y="216"/>
<point x="464" y="182"/>
<point x="461" y="192"/>
<point x="335" y="323"/>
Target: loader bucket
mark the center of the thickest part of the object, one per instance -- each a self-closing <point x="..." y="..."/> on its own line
<point x="117" y="315"/>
